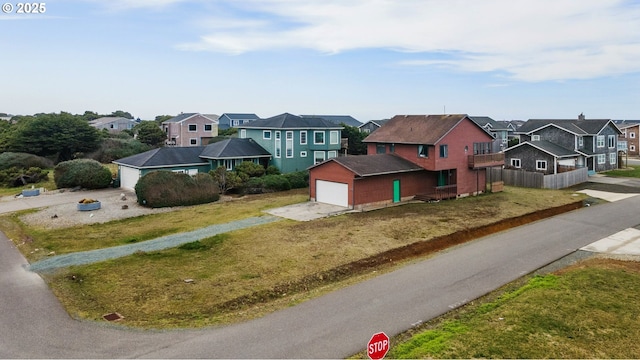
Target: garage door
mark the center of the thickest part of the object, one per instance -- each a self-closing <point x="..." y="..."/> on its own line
<point x="334" y="193"/>
<point x="129" y="177"/>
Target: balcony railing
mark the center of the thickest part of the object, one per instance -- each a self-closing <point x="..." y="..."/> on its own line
<point x="485" y="160"/>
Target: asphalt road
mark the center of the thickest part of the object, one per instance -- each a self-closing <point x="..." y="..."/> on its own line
<point x="33" y="324"/>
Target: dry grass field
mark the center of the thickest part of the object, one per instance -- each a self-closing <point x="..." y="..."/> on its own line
<point x="246" y="273"/>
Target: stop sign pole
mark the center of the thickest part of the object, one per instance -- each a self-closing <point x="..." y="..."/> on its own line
<point x="378" y="346"/>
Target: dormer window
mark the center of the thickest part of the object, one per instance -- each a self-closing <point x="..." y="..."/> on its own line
<point x="535" y="137"/>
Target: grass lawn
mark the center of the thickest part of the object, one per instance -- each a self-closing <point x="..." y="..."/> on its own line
<point x="589" y="310"/>
<point x="630" y="171"/>
<point x="235" y="275"/>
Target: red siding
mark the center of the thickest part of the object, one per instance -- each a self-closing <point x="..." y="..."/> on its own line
<point x="379" y="189"/>
<point x="459" y="143"/>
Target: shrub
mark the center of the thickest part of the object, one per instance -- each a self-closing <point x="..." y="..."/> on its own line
<point x="298" y="180"/>
<point x="85" y="173"/>
<point x="267" y="183"/>
<point x="250" y="168"/>
<point x="119" y="147"/>
<point x="23" y="161"/>
<point x="166" y="188"/>
<point x="272" y="170"/>
<point x="14" y="177"/>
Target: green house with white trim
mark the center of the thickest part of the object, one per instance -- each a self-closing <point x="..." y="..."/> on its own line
<point x="295" y="143"/>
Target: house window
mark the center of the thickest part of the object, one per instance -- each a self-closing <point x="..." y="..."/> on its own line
<point x="392" y="148"/>
<point x="600" y="141"/>
<point x="334" y="137"/>
<point x="207" y="127"/>
<point x="193" y="141"/>
<point x="381" y="148"/>
<point x="481" y="148"/>
<point x="318" y="157"/>
<point x="303" y="138"/>
<point x="535" y="137"/>
<point x="516" y="163"/>
<point x="266" y="134"/>
<point x="423" y="151"/>
<point x="366" y="131"/>
<point x="602" y="159"/>
<point x="193" y="128"/>
<point x="228" y="164"/>
<point x="332" y="154"/>
<point x="580" y="141"/>
<point x="541" y="165"/>
<point x="444" y="151"/>
<point x="278" y="145"/>
<point x="303" y="154"/>
<point x="288" y="144"/>
<point x="632" y="147"/>
<point x="632" y="135"/>
<point x="612" y="141"/>
<point x="318" y="137"/>
<point x="612" y="158"/>
<point x="243" y="133"/>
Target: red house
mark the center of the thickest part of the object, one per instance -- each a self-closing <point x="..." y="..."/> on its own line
<point x="411" y="156"/>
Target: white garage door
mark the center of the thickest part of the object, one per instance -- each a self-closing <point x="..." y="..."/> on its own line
<point x="129" y="177"/>
<point x="334" y="193"/>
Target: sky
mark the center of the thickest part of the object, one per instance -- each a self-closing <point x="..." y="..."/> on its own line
<point x="371" y="59"/>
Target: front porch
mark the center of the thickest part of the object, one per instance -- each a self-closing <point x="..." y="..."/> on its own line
<point x="443" y="192"/>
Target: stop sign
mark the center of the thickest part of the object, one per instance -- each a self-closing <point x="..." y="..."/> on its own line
<point x="378" y="346"/>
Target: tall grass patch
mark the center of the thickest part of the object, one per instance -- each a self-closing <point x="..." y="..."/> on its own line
<point x="587" y="311"/>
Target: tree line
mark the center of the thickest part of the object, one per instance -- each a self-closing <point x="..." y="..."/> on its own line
<point x="64" y="136"/>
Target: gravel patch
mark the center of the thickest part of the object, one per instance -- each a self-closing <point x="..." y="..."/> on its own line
<point x="114" y="206"/>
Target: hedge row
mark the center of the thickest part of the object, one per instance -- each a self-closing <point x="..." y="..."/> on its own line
<point x="273" y="183"/>
<point x="166" y="188"/>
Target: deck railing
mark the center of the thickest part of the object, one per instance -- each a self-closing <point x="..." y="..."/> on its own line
<point x="485" y="160"/>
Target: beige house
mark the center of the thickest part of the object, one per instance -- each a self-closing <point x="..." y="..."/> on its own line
<point x="191" y="129"/>
<point x="113" y="124"/>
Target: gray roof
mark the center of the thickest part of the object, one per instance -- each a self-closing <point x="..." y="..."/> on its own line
<point x="548" y="147"/>
<point x="109" y="119"/>
<point x="376" y="122"/>
<point x="165" y="157"/>
<point x="578" y="127"/>
<point x="289" y="121"/>
<point x="484" y="121"/>
<point x="239" y="116"/>
<point x="185" y="116"/>
<point x="234" y="148"/>
<point x="371" y="165"/>
<point x="337" y="119"/>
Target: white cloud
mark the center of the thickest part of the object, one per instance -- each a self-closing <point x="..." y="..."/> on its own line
<point x="529" y="40"/>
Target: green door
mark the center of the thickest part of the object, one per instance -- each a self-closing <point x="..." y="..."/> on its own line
<point x="396" y="191"/>
<point x="442" y="178"/>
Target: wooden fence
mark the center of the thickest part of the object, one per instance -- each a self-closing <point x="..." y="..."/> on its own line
<point x="537" y="180"/>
